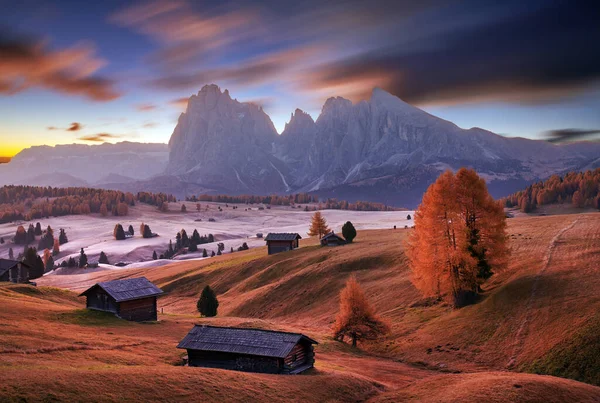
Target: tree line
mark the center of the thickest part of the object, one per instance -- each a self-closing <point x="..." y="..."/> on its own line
<point x="581" y="189"/>
<point x="35" y="202"/>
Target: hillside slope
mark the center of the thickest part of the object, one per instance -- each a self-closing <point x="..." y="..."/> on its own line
<point x="526" y="315"/>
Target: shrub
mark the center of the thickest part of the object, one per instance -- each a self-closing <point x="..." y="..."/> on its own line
<point x="348" y="231"/>
<point x="208" y="303"/>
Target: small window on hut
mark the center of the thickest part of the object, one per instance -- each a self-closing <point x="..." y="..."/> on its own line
<point x="294" y="357"/>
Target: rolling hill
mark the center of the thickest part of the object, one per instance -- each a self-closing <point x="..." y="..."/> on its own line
<point x="539" y="316"/>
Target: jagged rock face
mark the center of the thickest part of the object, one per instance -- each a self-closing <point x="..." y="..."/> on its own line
<point x="225" y="144"/>
<point x="381" y="149"/>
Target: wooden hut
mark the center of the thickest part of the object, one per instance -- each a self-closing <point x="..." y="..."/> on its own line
<point x="131" y="299"/>
<point x="332" y="239"/>
<point x="14" y="271"/>
<point x="282" y="242"/>
<point x="250" y="350"/>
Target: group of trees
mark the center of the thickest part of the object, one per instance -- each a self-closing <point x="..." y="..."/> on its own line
<point x="46" y="241"/>
<point x="35" y="202"/>
<point x="459" y="238"/>
<point x="581" y="189"/>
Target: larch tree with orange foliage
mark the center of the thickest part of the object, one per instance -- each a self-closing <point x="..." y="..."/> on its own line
<point x="318" y="225"/>
<point x="357" y="318"/>
<point x="459" y="238"/>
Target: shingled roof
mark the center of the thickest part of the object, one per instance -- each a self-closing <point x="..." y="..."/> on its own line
<point x="7" y="264"/>
<point x="266" y="343"/>
<point x="128" y="289"/>
<point x="332" y="235"/>
<point x="282" y="236"/>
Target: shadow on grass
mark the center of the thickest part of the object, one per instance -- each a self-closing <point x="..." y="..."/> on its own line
<point x="87" y="317"/>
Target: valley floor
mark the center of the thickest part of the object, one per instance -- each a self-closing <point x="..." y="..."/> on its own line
<point x="540" y="316"/>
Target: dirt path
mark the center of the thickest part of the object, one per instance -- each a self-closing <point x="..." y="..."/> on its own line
<point x="521" y="331"/>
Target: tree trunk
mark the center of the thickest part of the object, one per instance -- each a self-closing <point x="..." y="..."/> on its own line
<point x="353" y="339"/>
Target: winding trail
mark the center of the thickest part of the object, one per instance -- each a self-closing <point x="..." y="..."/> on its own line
<point x="520" y="335"/>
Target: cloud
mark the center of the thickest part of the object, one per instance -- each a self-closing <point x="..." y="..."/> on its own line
<point x="29" y="63"/>
<point x="75" y="126"/>
<point x="145" y="107"/>
<point x="524" y="56"/>
<point x="149" y="125"/>
<point x="99" y="137"/>
<point x="180" y="103"/>
<point x="568" y="135"/>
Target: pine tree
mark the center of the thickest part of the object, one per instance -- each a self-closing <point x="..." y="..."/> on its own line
<point x="62" y="237"/>
<point x="30" y="234"/>
<point x="219" y="253"/>
<point x="130" y="229"/>
<point x="20" y="236"/>
<point x="212" y="253"/>
<point x="459" y="238"/>
<point x="35" y="263"/>
<point x="408" y="217"/>
<point x="183" y="208"/>
<point x="208" y="302"/>
<point x="147" y="232"/>
<point x="38" y="229"/>
<point x="103" y="258"/>
<point x="49" y="264"/>
<point x="185" y="241"/>
<point x="56" y="248"/>
<point x="82" y="259"/>
<point x="318" y="225"/>
<point x="154" y="256"/>
<point x="11" y="254"/>
<point x="119" y="233"/>
<point x="357" y="318"/>
<point x="204" y="253"/>
<point x="348" y="231"/>
<point x="193" y="246"/>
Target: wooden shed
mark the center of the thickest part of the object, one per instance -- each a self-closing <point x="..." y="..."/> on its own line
<point x="250" y="350"/>
<point x="332" y="239"/>
<point x="131" y="299"/>
<point x="282" y="242"/>
<point x="14" y="271"/>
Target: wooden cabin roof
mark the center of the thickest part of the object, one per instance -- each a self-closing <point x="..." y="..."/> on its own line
<point x="332" y="235"/>
<point x="267" y="343"/>
<point x="128" y="289"/>
<point x="7" y="264"/>
<point x="282" y="236"/>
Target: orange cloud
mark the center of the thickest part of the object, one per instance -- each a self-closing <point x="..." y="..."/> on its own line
<point x="180" y="103"/>
<point x="99" y="137"/>
<point x="75" y="126"/>
<point x="27" y="64"/>
<point x="145" y="107"/>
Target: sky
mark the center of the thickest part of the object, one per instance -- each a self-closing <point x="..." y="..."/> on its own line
<point x="89" y="72"/>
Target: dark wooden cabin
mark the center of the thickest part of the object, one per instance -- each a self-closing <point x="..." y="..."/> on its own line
<point x="332" y="239"/>
<point x="131" y="299"/>
<point x="282" y="242"/>
<point x="250" y="350"/>
<point x="14" y="271"/>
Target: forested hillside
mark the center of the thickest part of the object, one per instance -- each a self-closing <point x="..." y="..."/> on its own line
<point x="581" y="189"/>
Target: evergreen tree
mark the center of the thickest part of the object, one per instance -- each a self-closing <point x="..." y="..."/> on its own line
<point x="62" y="237"/>
<point x="49" y="264"/>
<point x="208" y="302"/>
<point x="170" y="250"/>
<point x="1" y="240"/>
<point x="231" y="251"/>
<point x="318" y="225"/>
<point x="32" y="259"/>
<point x="183" y="208"/>
<point x="408" y="217"/>
<point x="204" y="253"/>
<point x="119" y="232"/>
<point x="348" y="231"/>
<point x="211" y="238"/>
<point x="178" y="241"/>
<point x="30" y="234"/>
<point x="185" y="241"/>
<point x="131" y="230"/>
<point x="38" y="229"/>
<point x="154" y="256"/>
<point x="219" y="253"/>
<point x="82" y="259"/>
<point x="103" y="258"/>
<point x="11" y="254"/>
<point x="193" y="246"/>
<point x="147" y="232"/>
<point x="72" y="262"/>
<point x="195" y="237"/>
<point x="20" y="236"/>
<point x="212" y="253"/>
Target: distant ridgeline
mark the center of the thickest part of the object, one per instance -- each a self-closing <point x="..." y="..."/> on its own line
<point x="581" y="189"/>
<point x="294" y="199"/>
<point x="34" y="202"/>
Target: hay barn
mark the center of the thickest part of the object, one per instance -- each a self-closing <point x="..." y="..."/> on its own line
<point x="131" y="299"/>
<point x="332" y="239"/>
<point x="282" y="242"/>
<point x="14" y="271"/>
<point x="250" y="350"/>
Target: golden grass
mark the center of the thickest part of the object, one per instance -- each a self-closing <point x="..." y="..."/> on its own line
<point x="63" y="352"/>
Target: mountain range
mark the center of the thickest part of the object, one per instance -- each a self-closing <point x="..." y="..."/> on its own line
<point x="381" y="149"/>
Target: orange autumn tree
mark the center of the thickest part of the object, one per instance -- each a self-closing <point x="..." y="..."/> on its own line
<point x="459" y="238"/>
<point x="357" y="318"/>
<point x="318" y="225"/>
